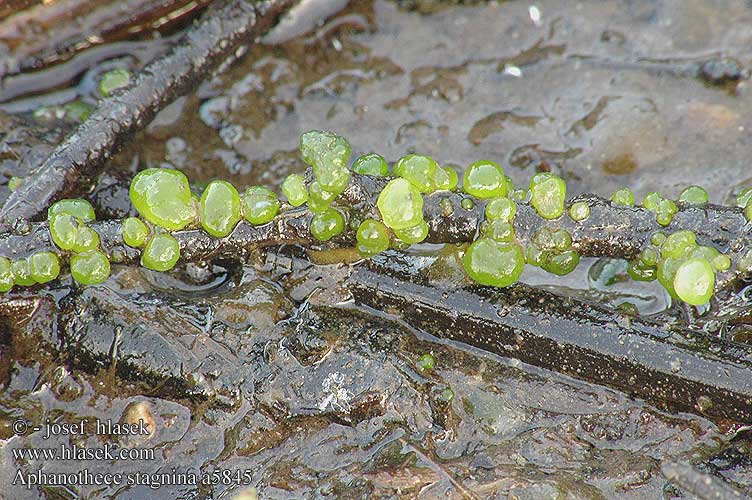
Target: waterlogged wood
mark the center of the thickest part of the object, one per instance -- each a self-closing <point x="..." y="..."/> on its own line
<point x="201" y="50"/>
<point x="673" y="367"/>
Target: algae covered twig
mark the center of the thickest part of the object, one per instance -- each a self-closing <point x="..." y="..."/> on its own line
<point x="194" y="56"/>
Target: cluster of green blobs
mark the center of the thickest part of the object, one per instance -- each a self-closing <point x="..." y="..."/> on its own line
<point x="163" y="197"/>
<point x="663" y="208"/>
<point x="547" y="195"/>
<point x="41" y="267"/>
<point x="683" y="267"/>
<point x="425" y="174"/>
<point x="552" y="251"/>
<point x="400" y="204"/>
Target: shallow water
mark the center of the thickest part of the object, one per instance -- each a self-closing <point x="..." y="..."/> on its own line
<point x="242" y="371"/>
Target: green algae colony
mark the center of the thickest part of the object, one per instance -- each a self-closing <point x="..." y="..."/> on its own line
<point x="165" y="203"/>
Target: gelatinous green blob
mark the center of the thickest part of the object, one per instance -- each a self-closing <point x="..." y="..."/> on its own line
<point x="400" y="204"/>
<point x="114" y="80"/>
<point x="704" y="252"/>
<point x="163" y="197"/>
<point x="521" y="195"/>
<point x="419" y="170"/>
<point x="14" y="182"/>
<point x="371" y="164"/>
<point x="45" y="267"/>
<point x="548" y="194"/>
<point x="326" y="225"/>
<point x="544" y="238"/>
<point x="319" y="199"/>
<point x="535" y="255"/>
<point x="295" y="190"/>
<point x="562" y="263"/>
<point x="413" y="235"/>
<point x="372" y="237"/>
<point x="721" y="262"/>
<point x="63" y="229"/>
<point x="665" y="212"/>
<point x="623" y="197"/>
<point x="562" y="240"/>
<point x="260" y="205"/>
<point x="498" y="230"/>
<point x="742" y="199"/>
<point x="666" y="271"/>
<point x="579" y="211"/>
<point x="78" y="110"/>
<point x="694" y="195"/>
<point x="502" y="209"/>
<point x="648" y="257"/>
<point x="21" y="270"/>
<point x="485" y="179"/>
<point x="447" y="208"/>
<point x="467" y="203"/>
<point x="220" y="208"/>
<point x="425" y="363"/>
<point x="90" y="268"/>
<point x="327" y="153"/>
<point x="86" y="239"/>
<point x="446" y="178"/>
<point x="135" y="232"/>
<point x="745" y="262"/>
<point x="6" y="275"/>
<point x="678" y="244"/>
<point x="651" y="200"/>
<point x="161" y="253"/>
<point x="81" y="209"/>
<point x="641" y="272"/>
<point x="495" y="264"/>
<point x="657" y="238"/>
<point x="694" y="281"/>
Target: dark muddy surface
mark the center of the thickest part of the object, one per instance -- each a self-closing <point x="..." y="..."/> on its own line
<point x="266" y="368"/>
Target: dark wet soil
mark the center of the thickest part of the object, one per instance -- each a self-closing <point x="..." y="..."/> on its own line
<point x="242" y="368"/>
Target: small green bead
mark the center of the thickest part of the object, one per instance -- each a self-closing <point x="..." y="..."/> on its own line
<point x="77" y="111"/>
<point x="14" y="183"/>
<point x="327" y="153"/>
<point x="81" y="209"/>
<point x="579" y="211"/>
<point x="400" y="204"/>
<point x="742" y="199"/>
<point x="260" y="205"/>
<point x="161" y="253"/>
<point x="295" y="190"/>
<point x="446" y="178"/>
<point x="657" y="238"/>
<point x="135" y="232"/>
<point x="495" y="264"/>
<point x="721" y="263"/>
<point x="521" y="195"/>
<point x="678" y="244"/>
<point x="413" y="235"/>
<point x="326" y="225"/>
<point x="220" y="208"/>
<point x="467" y="203"/>
<point x="6" y="275"/>
<point x="665" y="212"/>
<point x="745" y="262"/>
<point x="63" y="229"/>
<point x="623" y="197"/>
<point x="548" y="194"/>
<point x="498" y="230"/>
<point x="694" y="195"/>
<point x="562" y="263"/>
<point x="86" y="239"/>
<point x="319" y="199"/>
<point x="425" y="363"/>
<point x="485" y="179"/>
<point x="163" y="197"/>
<point x="372" y="237"/>
<point x="371" y="164"/>
<point x="90" y="268"/>
<point x="114" y="80"/>
<point x="21" y="270"/>
<point x="501" y="209"/>
<point x="447" y="207"/>
<point x="45" y="267"/>
<point x="648" y="257"/>
<point x="419" y="170"/>
<point x="651" y="200"/>
<point x="694" y="281"/>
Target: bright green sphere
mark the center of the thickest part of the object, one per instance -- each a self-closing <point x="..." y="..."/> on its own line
<point x="163" y="197"/>
<point x="327" y="153"/>
<point x="665" y="211"/>
<point x="6" y="275"/>
<point x="623" y="197"/>
<point x="678" y="244"/>
<point x="413" y="235"/>
<point x="695" y="195"/>
<point x="579" y="211"/>
<point x="114" y="80"/>
<point x="86" y="239"/>
<point x="45" y="267"/>
<point x="21" y="270"/>
<point x="446" y="178"/>
<point x="491" y="263"/>
<point x="135" y="232"/>
<point x="498" y="230"/>
<point x="63" y="230"/>
<point x="694" y="281"/>
<point x="548" y="194"/>
<point x="485" y="179"/>
<point x="295" y="190"/>
<point x="666" y="272"/>
<point x="75" y="207"/>
<point x="721" y="263"/>
<point x="651" y="200"/>
<point x="419" y="170"/>
<point x="562" y="263"/>
<point x="220" y="208"/>
<point x="161" y="253"/>
<point x="502" y="209"/>
<point x="372" y="237"/>
<point x="319" y="199"/>
<point x="371" y="164"/>
<point x="425" y="363"/>
<point x="400" y="204"/>
<point x="90" y="268"/>
<point x="260" y="205"/>
<point x="326" y="225"/>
